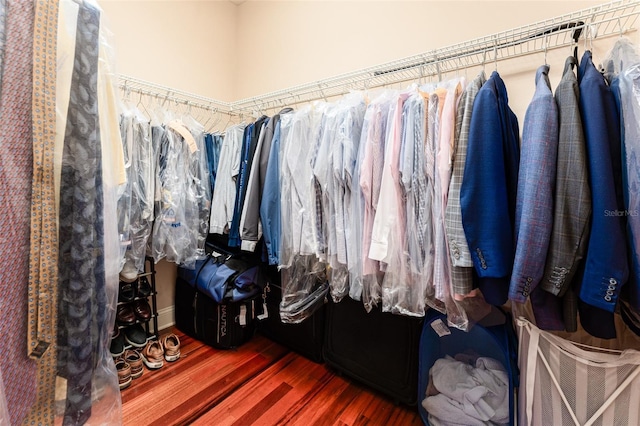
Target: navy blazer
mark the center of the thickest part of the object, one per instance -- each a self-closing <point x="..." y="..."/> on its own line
<point x="488" y="190"/>
<point x="606" y="266"/>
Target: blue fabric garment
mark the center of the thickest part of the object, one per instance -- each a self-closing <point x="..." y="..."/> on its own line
<point x="606" y="267"/>
<point x="248" y="150"/>
<point x="488" y="191"/>
<point x="536" y="184"/>
<point x="213" y="144"/>
<point x="234" y="231"/>
<point x="270" y="205"/>
<point x="606" y="262"/>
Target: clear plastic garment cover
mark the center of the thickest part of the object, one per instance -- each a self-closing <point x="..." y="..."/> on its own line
<point x="363" y="184"/>
<point x="91" y="178"/>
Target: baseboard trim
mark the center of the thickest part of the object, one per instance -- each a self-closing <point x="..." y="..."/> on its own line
<point x="166" y="317"/>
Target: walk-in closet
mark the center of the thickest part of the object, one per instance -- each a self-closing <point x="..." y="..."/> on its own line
<point x="247" y="212"/>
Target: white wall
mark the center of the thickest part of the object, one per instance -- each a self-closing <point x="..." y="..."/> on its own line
<point x="184" y="44"/>
<point x="285" y="43"/>
<point x="228" y="52"/>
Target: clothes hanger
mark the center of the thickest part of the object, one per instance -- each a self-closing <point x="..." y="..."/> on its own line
<point x="142" y="109"/>
<point x="495" y="56"/>
<point x="545" y="50"/>
<point x="484" y="60"/>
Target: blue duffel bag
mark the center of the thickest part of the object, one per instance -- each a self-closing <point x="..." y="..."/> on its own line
<point x="224" y="278"/>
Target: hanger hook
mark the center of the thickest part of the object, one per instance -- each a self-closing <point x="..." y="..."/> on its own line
<point x="495" y="55"/>
<point x="484" y="59"/>
<point x="546" y="46"/>
<point x="620" y="27"/>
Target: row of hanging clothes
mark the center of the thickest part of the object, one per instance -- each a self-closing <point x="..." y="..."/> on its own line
<point x="171" y="163"/>
<point x="428" y="197"/>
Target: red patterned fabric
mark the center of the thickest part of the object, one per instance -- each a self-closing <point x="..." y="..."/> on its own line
<point x="18" y="371"/>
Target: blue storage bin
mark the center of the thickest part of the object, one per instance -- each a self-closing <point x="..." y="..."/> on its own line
<point x="497" y="342"/>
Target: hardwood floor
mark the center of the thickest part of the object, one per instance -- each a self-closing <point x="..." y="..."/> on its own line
<point x="260" y="383"/>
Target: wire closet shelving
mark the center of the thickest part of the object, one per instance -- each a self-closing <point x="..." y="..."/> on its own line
<point x="606" y="20"/>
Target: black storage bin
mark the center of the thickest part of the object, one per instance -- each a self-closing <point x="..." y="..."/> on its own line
<point x="185" y="312"/>
<point x="305" y="338"/>
<point x="378" y="349"/>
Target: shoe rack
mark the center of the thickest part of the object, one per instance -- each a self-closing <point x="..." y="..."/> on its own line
<point x="149" y="325"/>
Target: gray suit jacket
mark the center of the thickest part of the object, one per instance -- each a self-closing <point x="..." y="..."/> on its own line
<point x="462" y="270"/>
<point x="572" y="209"/>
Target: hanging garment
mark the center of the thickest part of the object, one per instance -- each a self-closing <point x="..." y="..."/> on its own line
<point x="536" y="183"/>
<point x="88" y="229"/>
<point x="224" y="194"/>
<point x="199" y="183"/>
<point x="252" y="138"/>
<point x="341" y="127"/>
<point x="319" y="158"/>
<point x="213" y="144"/>
<point x="606" y="269"/>
<point x="572" y="211"/>
<point x="178" y="209"/>
<point x="461" y="264"/>
<point x="562" y="383"/>
<point x="488" y="191"/>
<point x="359" y="280"/>
<point x="413" y="175"/>
<point x="136" y="204"/>
<point x="630" y="95"/>
<point x="299" y="203"/>
<point x="388" y="234"/>
<point x="326" y="190"/>
<point x="389" y="217"/>
<point x="371" y="180"/>
<point x="250" y="226"/>
<point x="304" y="280"/>
<point x="16" y="169"/>
<point x="430" y="150"/>
<point x="620" y="70"/>
<point x="448" y="99"/>
<point x="406" y="278"/>
<point x="270" y="204"/>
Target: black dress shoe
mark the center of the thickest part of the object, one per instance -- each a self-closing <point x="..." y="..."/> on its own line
<point x="125" y="315"/>
<point x="117" y="344"/>
<point x="127" y="292"/>
<point x="144" y="288"/>
<point x="136" y="336"/>
<point x="142" y="310"/>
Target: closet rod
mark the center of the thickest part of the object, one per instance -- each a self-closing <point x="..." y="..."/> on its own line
<point x="609" y="19"/>
<point x="165" y="94"/>
<point x="613" y="18"/>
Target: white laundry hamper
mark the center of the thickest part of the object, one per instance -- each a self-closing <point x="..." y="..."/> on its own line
<point x="565" y="383"/>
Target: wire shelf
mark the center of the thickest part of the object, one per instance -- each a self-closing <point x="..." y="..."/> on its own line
<point x="613" y="18"/>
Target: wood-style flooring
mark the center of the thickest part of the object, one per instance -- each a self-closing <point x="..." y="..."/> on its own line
<point x="260" y="383"/>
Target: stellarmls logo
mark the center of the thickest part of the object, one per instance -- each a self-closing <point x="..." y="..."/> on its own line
<point x="621" y="213"/>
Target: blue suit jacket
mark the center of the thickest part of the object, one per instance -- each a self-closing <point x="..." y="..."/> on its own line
<point x="536" y="184"/>
<point x="488" y="190"/>
<point x="606" y="266"/>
